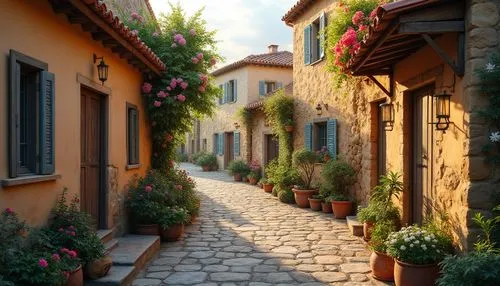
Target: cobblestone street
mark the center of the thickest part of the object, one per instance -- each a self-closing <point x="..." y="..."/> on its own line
<point x="245" y="236"/>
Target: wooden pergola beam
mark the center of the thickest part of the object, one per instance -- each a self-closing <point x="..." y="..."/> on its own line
<point x="435" y="27"/>
<point x="442" y="54"/>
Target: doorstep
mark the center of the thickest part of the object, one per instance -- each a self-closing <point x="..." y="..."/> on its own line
<point x="355" y="226"/>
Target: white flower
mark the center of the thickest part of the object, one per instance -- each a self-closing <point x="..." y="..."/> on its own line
<point x="495" y="137"/>
<point x="434" y="246"/>
<point x="407" y="239"/>
<point x="411" y="244"/>
<point x="393" y="241"/>
<point x="423" y="246"/>
<point x="412" y="237"/>
<point x="438" y="251"/>
<point x="490" y="67"/>
<point x="417" y="242"/>
<point x="434" y="240"/>
<point x="402" y="247"/>
<point x="427" y="238"/>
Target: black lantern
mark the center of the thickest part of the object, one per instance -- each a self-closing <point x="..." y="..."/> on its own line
<point x="387" y="111"/>
<point x="102" y="69"/>
<point x="319" y="109"/>
<point x="442" y="111"/>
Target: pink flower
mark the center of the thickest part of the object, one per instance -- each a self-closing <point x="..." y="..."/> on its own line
<point x="72" y="233"/>
<point x="373" y="14"/>
<point x="192" y="32"/>
<point x="136" y="16"/>
<point x="179" y="80"/>
<point x="184" y="85"/>
<point x="195" y="60"/>
<point x="155" y="35"/>
<point x="174" y="45"/>
<point x="148" y="189"/>
<point x="213" y="61"/>
<point x="177" y="37"/>
<point x="61" y="229"/>
<point x="182" y="42"/>
<point x="199" y="56"/>
<point x="169" y="137"/>
<point x="146" y="87"/>
<point x="203" y="77"/>
<point x="201" y="89"/>
<point x="179" y="187"/>
<point x="161" y="94"/>
<point x="181" y="98"/>
<point x="56" y="257"/>
<point x="43" y="263"/>
<point x="72" y="253"/>
<point x="169" y="88"/>
<point x="363" y="28"/>
<point x="64" y="250"/>
<point x="358" y="18"/>
<point x="349" y="38"/>
<point x="9" y="211"/>
<point x="157" y="103"/>
<point x="173" y="83"/>
<point x="134" y="33"/>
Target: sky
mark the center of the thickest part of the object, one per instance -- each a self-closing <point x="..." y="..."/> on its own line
<point x="244" y="27"/>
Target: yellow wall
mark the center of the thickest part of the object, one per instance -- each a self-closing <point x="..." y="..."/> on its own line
<point x="32" y="28"/>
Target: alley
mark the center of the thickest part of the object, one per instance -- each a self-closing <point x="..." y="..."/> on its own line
<point x="245" y="236"/>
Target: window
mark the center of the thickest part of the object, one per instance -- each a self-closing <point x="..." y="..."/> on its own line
<point x="229" y="92"/>
<point x="270" y="86"/>
<point x="132" y="134"/>
<point x="314" y="40"/>
<point x="322" y="133"/>
<point x="31" y="117"/>
<point x="219" y="143"/>
<point x="267" y="86"/>
<point x="319" y="135"/>
<point x="221" y="98"/>
<point x="204" y="145"/>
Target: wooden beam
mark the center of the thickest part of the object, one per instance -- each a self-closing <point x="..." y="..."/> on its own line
<point x="436" y="27"/>
<point x="461" y="54"/>
<point x="396" y="53"/>
<point x="381" y="86"/>
<point x="442" y="54"/>
<point x="383" y="62"/>
<point x="449" y="11"/>
<point x="378" y="71"/>
<point x="395" y="45"/>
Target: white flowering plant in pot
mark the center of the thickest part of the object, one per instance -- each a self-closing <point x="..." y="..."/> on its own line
<point x="420" y="246"/>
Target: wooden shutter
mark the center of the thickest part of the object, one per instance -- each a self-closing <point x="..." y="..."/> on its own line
<point x="14" y="88"/>
<point x="236" y="143"/>
<point x="235" y="91"/>
<point x="46" y="128"/>
<point x="133" y="136"/>
<point x="262" y="88"/>
<point x="307" y="44"/>
<point x="308" y="136"/>
<point x="322" y="25"/>
<point x="331" y="137"/>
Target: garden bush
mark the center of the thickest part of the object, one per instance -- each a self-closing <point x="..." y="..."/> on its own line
<point x="196" y="156"/>
<point x="207" y="160"/>
<point x="305" y="160"/>
<point x="238" y="167"/>
<point x="181" y="157"/>
<point x="286" y="195"/>
<point x="337" y="177"/>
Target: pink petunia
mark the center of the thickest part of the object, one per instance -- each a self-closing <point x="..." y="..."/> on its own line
<point x="169" y="137"/>
<point x="199" y="56"/>
<point x="72" y="253"/>
<point x="195" y="60"/>
<point x="169" y="88"/>
<point x="64" y="250"/>
<point x="184" y="85"/>
<point x="179" y="80"/>
<point x="147" y="87"/>
<point x="363" y="28"/>
<point x="177" y="37"/>
<point x="161" y="94"/>
<point x="157" y="103"/>
<point x="9" y="211"/>
<point x="181" y="98"/>
<point x="56" y="257"/>
<point x="358" y="18"/>
<point x="173" y="83"/>
<point x="43" y="263"/>
<point x="373" y="14"/>
<point x="192" y="32"/>
<point x="213" y="61"/>
<point x="201" y="89"/>
<point x="182" y="42"/>
<point x="148" y="189"/>
<point x="179" y="187"/>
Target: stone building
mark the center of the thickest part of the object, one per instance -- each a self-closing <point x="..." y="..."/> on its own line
<point x="416" y="52"/>
<point x="241" y="82"/>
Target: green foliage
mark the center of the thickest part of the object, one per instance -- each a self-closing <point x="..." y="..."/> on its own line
<point x="485" y="242"/>
<point x="208" y="159"/>
<point x="286" y="195"/>
<point x="271" y="170"/>
<point x="196" y="156"/>
<point x="380" y="232"/>
<point x="238" y="167"/>
<point x="337" y="177"/>
<point x="173" y="215"/>
<point x="470" y="270"/>
<point x="305" y="160"/>
<point x="389" y="185"/>
<point x="181" y="157"/>
<point x="171" y="108"/>
<point x="334" y="197"/>
<point x="244" y="116"/>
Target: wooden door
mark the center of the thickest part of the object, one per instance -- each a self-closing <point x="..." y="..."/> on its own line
<point x="422" y="154"/>
<point x="229" y="151"/>
<point x="381" y="145"/>
<point x="91" y="150"/>
<point x="272" y="148"/>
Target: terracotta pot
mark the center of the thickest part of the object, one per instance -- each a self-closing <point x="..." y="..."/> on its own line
<point x="268" y="188"/>
<point x="252" y="181"/>
<point x="382" y="266"/>
<point x="237" y="177"/>
<point x="341" y="209"/>
<point x="98" y="268"/>
<point x="147" y="229"/>
<point x="315" y="204"/>
<point x="367" y="230"/>
<point x="205" y="168"/>
<point x="172" y="233"/>
<point x="75" y="277"/>
<point x="406" y="274"/>
<point x="326" y="207"/>
<point x="244" y="179"/>
<point x="302" y="197"/>
<point x="289" y="128"/>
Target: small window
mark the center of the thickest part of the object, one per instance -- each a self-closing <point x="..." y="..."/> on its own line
<point x="314" y="40"/>
<point x="320" y="136"/>
<point x="270" y="86"/>
<point x="231" y="91"/>
<point x="132" y="134"/>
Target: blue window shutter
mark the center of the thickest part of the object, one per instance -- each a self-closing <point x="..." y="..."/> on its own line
<point x="307" y="45"/>
<point x="46" y="129"/>
<point x="221" y="98"/>
<point x="322" y="26"/>
<point x="221" y="143"/>
<point x="279" y="85"/>
<point x="235" y="91"/>
<point x="219" y="151"/>
<point x="14" y="100"/>
<point x="331" y="137"/>
<point x="237" y="143"/>
<point x="262" y="88"/>
<point x="308" y="136"/>
<point x="215" y="144"/>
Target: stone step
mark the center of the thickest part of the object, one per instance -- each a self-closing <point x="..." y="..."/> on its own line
<point x="111" y="245"/>
<point x="117" y="276"/>
<point x="105" y="235"/>
<point x="355" y="226"/>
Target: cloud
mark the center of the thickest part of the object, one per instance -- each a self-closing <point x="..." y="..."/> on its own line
<point x="243" y="27"/>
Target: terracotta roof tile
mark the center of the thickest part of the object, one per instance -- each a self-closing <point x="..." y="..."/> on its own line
<point x="260" y="103"/>
<point x="296" y="11"/>
<point x="279" y="59"/>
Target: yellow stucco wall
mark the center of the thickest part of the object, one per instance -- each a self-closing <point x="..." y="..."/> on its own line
<point x="32" y="28"/>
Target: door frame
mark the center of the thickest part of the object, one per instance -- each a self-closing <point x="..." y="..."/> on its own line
<point x="104" y="93"/>
<point x="228" y="148"/>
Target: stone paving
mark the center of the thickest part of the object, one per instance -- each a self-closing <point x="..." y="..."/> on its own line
<point x="245" y="236"/>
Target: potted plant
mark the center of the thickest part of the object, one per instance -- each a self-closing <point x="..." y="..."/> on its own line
<point x="255" y="171"/>
<point x="208" y="162"/>
<point x="289" y="125"/>
<point x="337" y="177"/>
<point x="268" y="183"/>
<point x="326" y="206"/>
<point x="417" y="252"/>
<point x="253" y="178"/>
<point x="315" y="202"/>
<point x="324" y="154"/>
<point x="305" y="161"/>
<point x="172" y="222"/>
<point x="238" y="169"/>
<point x="381" y="264"/>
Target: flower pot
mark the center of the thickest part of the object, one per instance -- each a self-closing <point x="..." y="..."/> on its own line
<point x="172" y="233"/>
<point x="147" y="229"/>
<point x="367" y="230"/>
<point x="205" y="168"/>
<point x="289" y="128"/>
<point x="315" y="204"/>
<point x="237" y="177"/>
<point x="382" y="266"/>
<point x="244" y="179"/>
<point x="98" y="268"/>
<point x="213" y="168"/>
<point x="341" y="209"/>
<point x="252" y="181"/>
<point x="326" y="207"/>
<point x="75" y="277"/>
<point x="268" y="188"/>
<point x="260" y="185"/>
<point x="406" y="274"/>
<point x="302" y="197"/>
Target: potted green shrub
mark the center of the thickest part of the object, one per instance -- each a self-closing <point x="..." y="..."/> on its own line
<point x="208" y="162"/>
<point x="337" y="178"/>
<point x="305" y="161"/>
<point x="315" y="202"/>
<point x="285" y="178"/>
<point x="417" y="252"/>
<point x="268" y="183"/>
<point x="289" y="125"/>
<point x="172" y="221"/>
<point x="255" y="170"/>
<point x="381" y="264"/>
<point x="238" y="169"/>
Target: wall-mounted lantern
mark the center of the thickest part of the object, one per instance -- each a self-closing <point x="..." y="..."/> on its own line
<point x="442" y="110"/>
<point x="387" y="111"/>
<point x="236" y="125"/>
<point x="319" y="108"/>
<point x="102" y="69"/>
